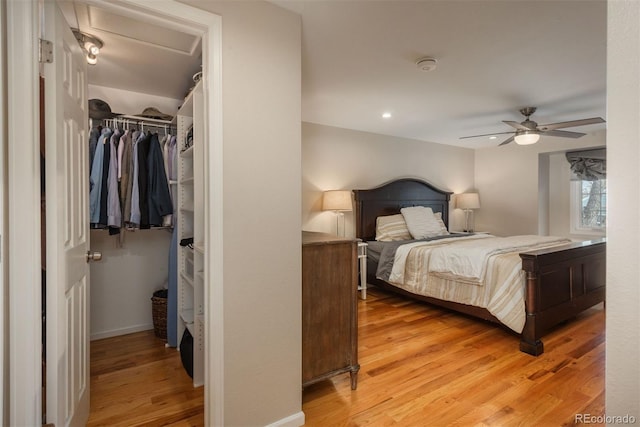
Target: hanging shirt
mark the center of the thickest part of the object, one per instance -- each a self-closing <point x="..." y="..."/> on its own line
<point x="106" y="161"/>
<point x="135" y="191"/>
<point x="94" y="135"/>
<point x="95" y="180"/>
<point x="120" y="150"/>
<point x="158" y="189"/>
<point x="126" y="175"/>
<point x="143" y="180"/>
<point x="114" y="214"/>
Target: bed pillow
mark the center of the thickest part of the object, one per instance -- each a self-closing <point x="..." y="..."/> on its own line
<point x="390" y="228"/>
<point x="443" y="227"/>
<point x="421" y="222"/>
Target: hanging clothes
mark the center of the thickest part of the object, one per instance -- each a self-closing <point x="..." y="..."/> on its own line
<point x="143" y="181"/>
<point x="95" y="180"/>
<point x="135" y="192"/>
<point x="94" y="135"/>
<point x="160" y="203"/>
<point x="114" y="214"/>
<point x="125" y="175"/>
<point x="129" y="178"/>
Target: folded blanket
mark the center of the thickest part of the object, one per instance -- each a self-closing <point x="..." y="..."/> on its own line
<point x="393" y="257"/>
<point x="467" y="261"/>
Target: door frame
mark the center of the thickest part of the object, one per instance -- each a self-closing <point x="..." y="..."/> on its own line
<point x="23" y="196"/>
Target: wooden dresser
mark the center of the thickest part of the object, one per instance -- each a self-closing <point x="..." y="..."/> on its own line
<point x="329" y="307"/>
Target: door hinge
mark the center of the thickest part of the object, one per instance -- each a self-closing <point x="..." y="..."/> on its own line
<point x="46" y="51"/>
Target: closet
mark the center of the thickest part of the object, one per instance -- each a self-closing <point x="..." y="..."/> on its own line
<point x="137" y="262"/>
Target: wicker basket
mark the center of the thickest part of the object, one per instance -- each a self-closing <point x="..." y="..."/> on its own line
<point x="159" y="312"/>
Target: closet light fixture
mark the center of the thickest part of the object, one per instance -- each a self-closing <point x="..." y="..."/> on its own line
<point x="89" y="44"/>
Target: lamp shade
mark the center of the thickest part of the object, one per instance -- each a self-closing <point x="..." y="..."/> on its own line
<point x="336" y="200"/>
<point x="468" y="201"/>
<point x="527" y="138"/>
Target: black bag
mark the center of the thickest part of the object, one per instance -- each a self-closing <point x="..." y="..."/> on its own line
<point x="186" y="352"/>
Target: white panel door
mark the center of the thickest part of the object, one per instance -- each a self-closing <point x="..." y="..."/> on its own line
<point x="67" y="180"/>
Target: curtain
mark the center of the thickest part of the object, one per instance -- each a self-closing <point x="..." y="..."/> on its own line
<point x="588" y="165"/>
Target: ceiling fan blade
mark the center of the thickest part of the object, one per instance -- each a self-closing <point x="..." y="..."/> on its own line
<point x="571" y="123"/>
<point x="515" y="125"/>
<point x="564" y="133"/>
<point x="486" y="134"/>
<point x="505" y="142"/>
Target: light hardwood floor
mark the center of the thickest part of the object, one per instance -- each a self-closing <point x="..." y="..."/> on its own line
<point x="424" y="366"/>
<point x="420" y="366"/>
<point x="136" y="381"/>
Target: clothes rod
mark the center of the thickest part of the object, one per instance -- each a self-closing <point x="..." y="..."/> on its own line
<point x="144" y="119"/>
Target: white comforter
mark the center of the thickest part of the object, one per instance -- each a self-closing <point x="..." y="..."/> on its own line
<point x="446" y="268"/>
<point x="467" y="261"/>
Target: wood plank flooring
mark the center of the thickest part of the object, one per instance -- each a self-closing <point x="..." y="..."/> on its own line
<point x="425" y="366"/>
<point x="420" y="366"/>
<point x="136" y="381"/>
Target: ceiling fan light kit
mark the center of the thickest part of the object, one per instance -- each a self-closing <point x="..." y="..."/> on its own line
<point x="528" y="132"/>
<point x="527" y="138"/>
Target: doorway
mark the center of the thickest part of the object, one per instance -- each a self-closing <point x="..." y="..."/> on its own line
<point x="25" y="340"/>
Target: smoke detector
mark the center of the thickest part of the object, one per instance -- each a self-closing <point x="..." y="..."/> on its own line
<point x="426" y="64"/>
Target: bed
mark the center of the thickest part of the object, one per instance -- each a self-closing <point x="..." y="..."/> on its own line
<point x="556" y="283"/>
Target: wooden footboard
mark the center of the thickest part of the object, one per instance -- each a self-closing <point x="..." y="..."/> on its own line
<point x="560" y="283"/>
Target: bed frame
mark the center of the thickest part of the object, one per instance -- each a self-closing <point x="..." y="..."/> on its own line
<point x="560" y="282"/>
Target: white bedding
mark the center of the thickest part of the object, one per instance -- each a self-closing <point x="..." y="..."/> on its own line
<point x="482" y="273"/>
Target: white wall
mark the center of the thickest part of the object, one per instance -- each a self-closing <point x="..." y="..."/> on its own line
<point x="342" y="159"/>
<point x="261" y="92"/>
<point x="133" y="103"/>
<point x="559" y="223"/>
<point x="508" y="181"/>
<point x="623" y="246"/>
<point x="123" y="283"/>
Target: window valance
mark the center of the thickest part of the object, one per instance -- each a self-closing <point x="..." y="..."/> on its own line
<point x="588" y="165"/>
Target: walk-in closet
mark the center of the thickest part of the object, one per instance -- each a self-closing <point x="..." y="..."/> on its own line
<point x="146" y="136"/>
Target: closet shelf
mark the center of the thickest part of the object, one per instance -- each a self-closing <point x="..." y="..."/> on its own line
<point x="191" y="329"/>
<point x="187" y="153"/>
<point x="187" y="316"/>
<point x="173" y="182"/>
<point x="199" y="247"/>
<point x="200" y="275"/>
<point x="187" y="181"/>
<point x="186" y="278"/>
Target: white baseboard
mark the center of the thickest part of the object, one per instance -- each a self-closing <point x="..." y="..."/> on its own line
<point x="295" y="420"/>
<point x="121" y="331"/>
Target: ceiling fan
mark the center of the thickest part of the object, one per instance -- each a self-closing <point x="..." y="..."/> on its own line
<point x="528" y="131"/>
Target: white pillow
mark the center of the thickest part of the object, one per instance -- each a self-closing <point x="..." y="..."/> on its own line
<point x="390" y="228"/>
<point x="443" y="227"/>
<point x="421" y="222"/>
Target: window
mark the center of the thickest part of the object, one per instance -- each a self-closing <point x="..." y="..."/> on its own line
<point x="589" y="206"/>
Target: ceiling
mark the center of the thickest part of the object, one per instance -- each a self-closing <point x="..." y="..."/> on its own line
<point x="358" y="61"/>
<point x="137" y="56"/>
<point x="493" y="58"/>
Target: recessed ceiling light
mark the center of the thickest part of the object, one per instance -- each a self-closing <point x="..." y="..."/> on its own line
<point x="493" y="137"/>
<point x="386" y="115"/>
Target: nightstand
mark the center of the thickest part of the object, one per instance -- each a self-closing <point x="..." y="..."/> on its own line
<point x="362" y="257"/>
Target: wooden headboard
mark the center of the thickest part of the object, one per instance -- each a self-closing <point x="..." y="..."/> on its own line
<point x="392" y="196"/>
